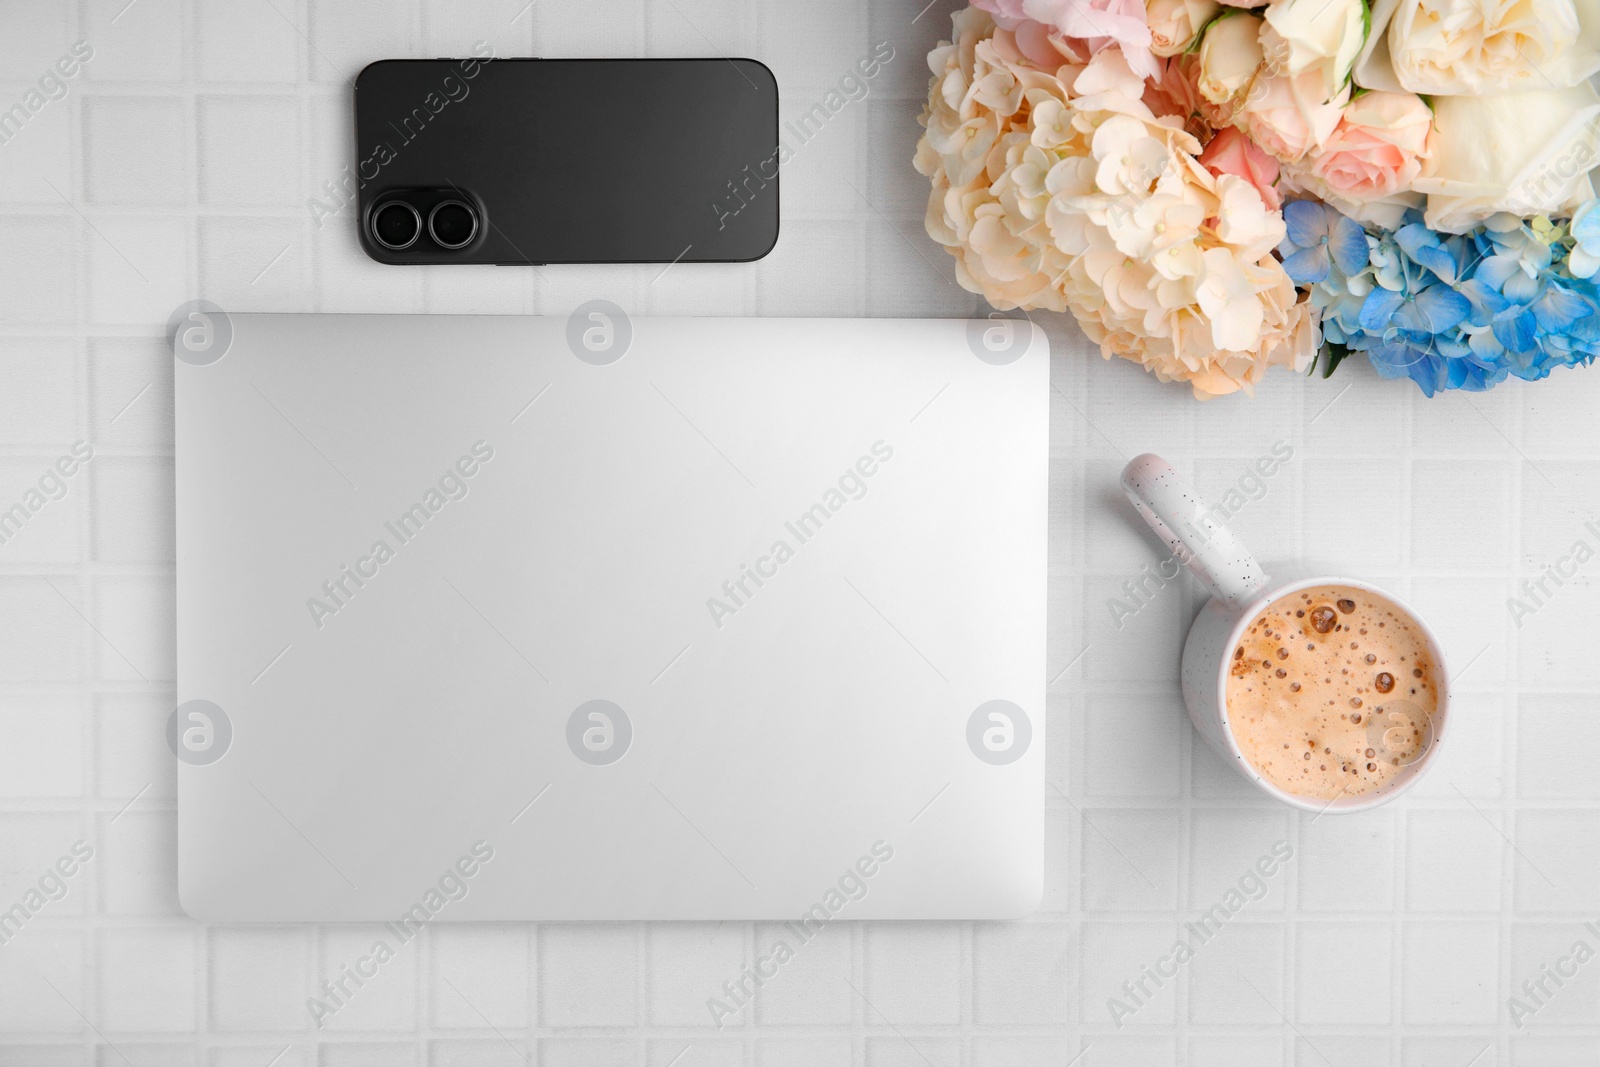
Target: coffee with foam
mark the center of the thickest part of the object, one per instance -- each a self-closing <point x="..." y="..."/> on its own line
<point x="1332" y="692"/>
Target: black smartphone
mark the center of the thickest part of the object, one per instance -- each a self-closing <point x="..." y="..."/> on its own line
<point x="536" y="161"/>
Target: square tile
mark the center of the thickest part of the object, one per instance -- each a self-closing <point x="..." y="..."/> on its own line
<point x="900" y="38"/>
<point x="914" y="972"/>
<point x="1553" y="980"/>
<point x="1453" y="860"/>
<point x="803" y="1052"/>
<point x="1551" y="1051"/>
<point x="1130" y="859"/>
<point x="689" y="27"/>
<point x="41" y="512"/>
<point x="37" y="30"/>
<point x="130" y="388"/>
<point x="139" y="269"/>
<point x="621" y="33"/>
<point x="1021" y="1051"/>
<point x="1347" y="863"/>
<point x="1233" y="863"/>
<point x="480" y="972"/>
<point x="727" y="1052"/>
<point x="689" y="962"/>
<point x="37" y="272"/>
<point x="247" y="44"/>
<point x="1475" y="636"/>
<point x="130" y="746"/>
<point x="1553" y="870"/>
<point x="1236" y="978"/>
<point x="367" y="1054"/>
<point x="137" y="629"/>
<point x="43" y="859"/>
<point x="137" y="861"/>
<point x="29" y="965"/>
<point x="1439" y="512"/>
<point x="1456" y="424"/>
<point x="1023" y="973"/>
<point x="387" y="1000"/>
<point x="1133" y="634"/>
<point x="812" y="46"/>
<point x="1554" y="733"/>
<point x="1369" y="420"/>
<point x="503" y="1051"/>
<point x="1475" y="762"/>
<point x="815" y="269"/>
<point x="135" y="150"/>
<point x="813" y="988"/>
<point x="142" y="43"/>
<point x="1342" y="974"/>
<point x="821" y="175"/>
<point x="146" y="979"/>
<point x="587" y="1052"/>
<point x="1122" y="1050"/>
<point x="40" y="405"/>
<point x="913" y="278"/>
<point x="1447" y="1052"/>
<point x="1451" y="973"/>
<point x="1340" y="1049"/>
<point x="1129" y="974"/>
<point x="1553" y="648"/>
<point x="1132" y="745"/>
<point x="42" y="750"/>
<point x="250" y="150"/>
<point x="133" y="510"/>
<point x="41" y="629"/>
<point x="900" y="1050"/>
<point x="1230" y="1051"/>
<point x="1369" y="532"/>
<point x="588" y="975"/>
<point x="259" y="978"/>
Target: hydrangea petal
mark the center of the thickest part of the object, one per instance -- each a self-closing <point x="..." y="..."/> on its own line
<point x="1557" y="309"/>
<point x="1583" y="264"/>
<point x="1439" y="308"/>
<point x="1495" y="270"/>
<point x="1486" y="302"/>
<point x="1377" y="310"/>
<point x="1586" y="224"/>
<point x="1348" y="246"/>
<point x="1425" y="247"/>
<point x="1515" y="330"/>
<point x="1307" y="222"/>
<point x="1308" y="266"/>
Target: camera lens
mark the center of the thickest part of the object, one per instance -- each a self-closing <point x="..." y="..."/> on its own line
<point x="396" y="225"/>
<point x="453" y="224"/>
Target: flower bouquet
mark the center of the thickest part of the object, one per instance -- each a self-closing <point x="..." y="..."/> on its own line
<point x="1213" y="189"/>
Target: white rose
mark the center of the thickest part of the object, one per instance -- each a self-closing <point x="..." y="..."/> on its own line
<point x="1230" y="56"/>
<point x="1525" y="153"/>
<point x="1174" y="24"/>
<point x="1321" y="35"/>
<point x="1473" y="47"/>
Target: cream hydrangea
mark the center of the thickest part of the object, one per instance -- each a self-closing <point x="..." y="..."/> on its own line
<point x="1068" y="193"/>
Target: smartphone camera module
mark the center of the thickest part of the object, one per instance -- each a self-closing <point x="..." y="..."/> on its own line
<point x="396" y="225"/>
<point x="453" y="224"/>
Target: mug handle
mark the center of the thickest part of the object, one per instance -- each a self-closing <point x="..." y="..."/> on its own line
<point x="1178" y="515"/>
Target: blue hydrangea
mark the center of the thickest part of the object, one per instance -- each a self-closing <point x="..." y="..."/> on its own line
<point x="1513" y="298"/>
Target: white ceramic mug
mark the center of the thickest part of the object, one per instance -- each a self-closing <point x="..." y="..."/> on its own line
<point x="1240" y="589"/>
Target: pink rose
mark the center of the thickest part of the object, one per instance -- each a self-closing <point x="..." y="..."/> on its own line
<point x="1097" y="23"/>
<point x="1378" y="147"/>
<point x="1287" y="116"/>
<point x="1231" y="152"/>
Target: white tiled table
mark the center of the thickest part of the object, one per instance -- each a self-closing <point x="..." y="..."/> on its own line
<point x="180" y="164"/>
